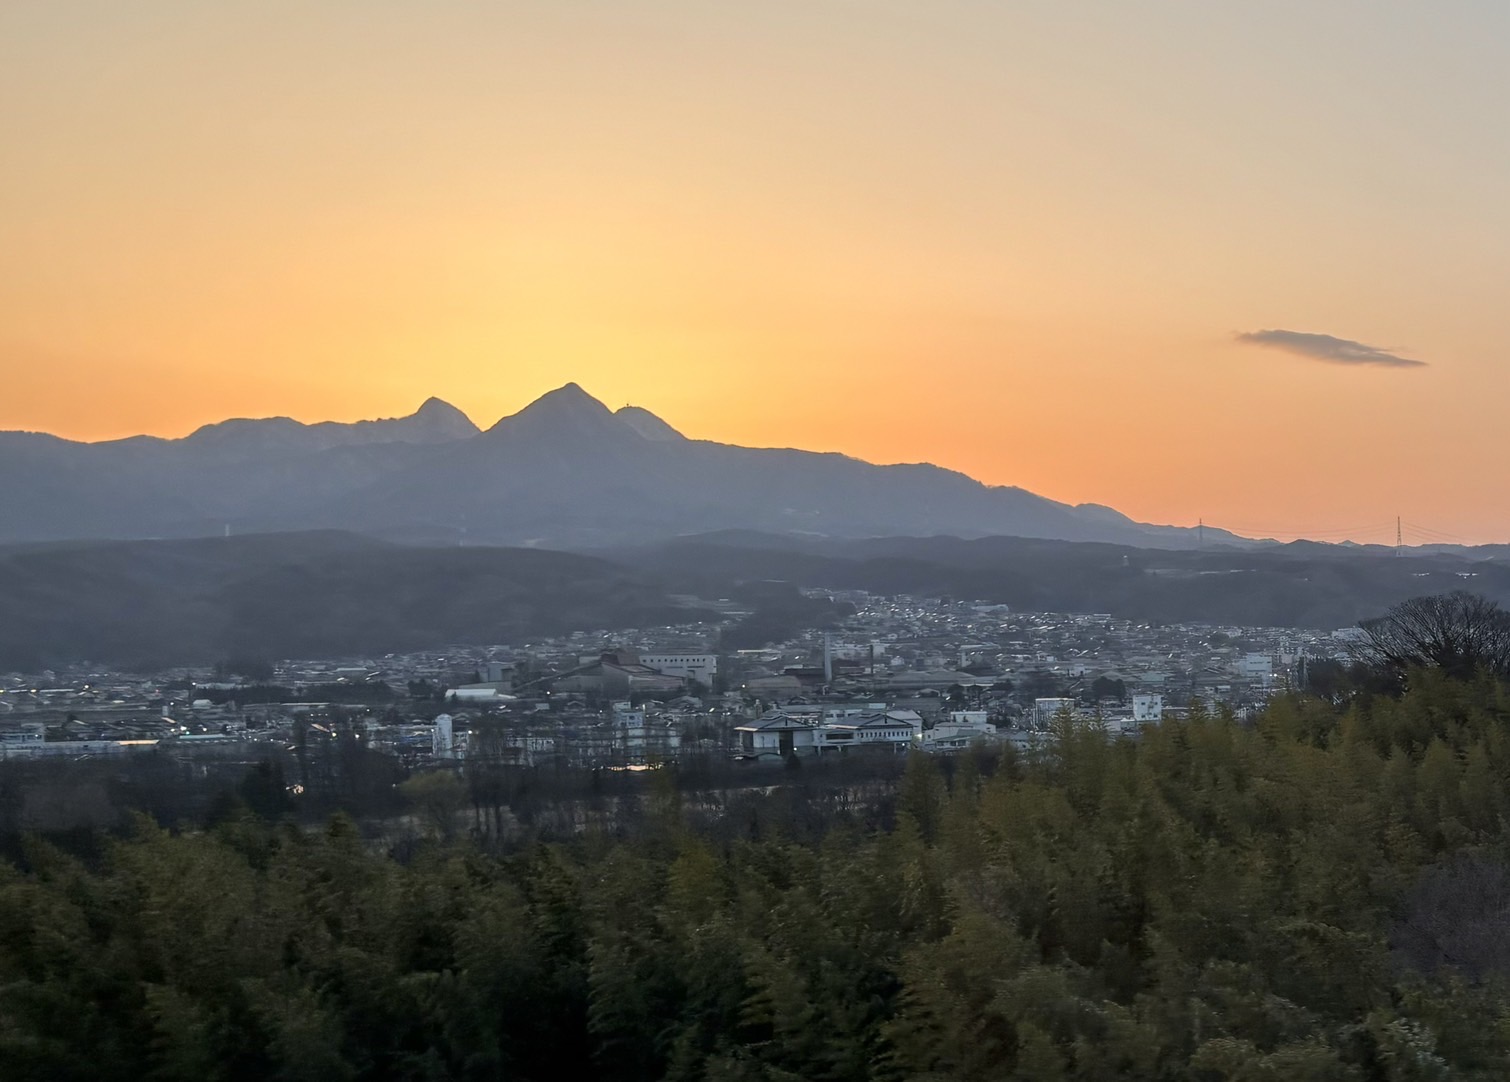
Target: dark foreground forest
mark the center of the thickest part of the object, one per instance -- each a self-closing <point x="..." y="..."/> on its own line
<point x="1323" y="895"/>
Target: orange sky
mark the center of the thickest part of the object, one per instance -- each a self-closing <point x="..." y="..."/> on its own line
<point x="1013" y="239"/>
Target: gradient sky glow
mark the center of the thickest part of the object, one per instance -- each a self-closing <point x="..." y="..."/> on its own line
<point x="1019" y="239"/>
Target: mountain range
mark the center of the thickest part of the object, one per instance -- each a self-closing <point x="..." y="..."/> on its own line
<point x="564" y="472"/>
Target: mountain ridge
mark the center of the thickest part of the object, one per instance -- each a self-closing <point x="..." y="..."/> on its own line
<point x="149" y="604"/>
<point x="333" y="593"/>
<point x="564" y="471"/>
<point x="434" y="421"/>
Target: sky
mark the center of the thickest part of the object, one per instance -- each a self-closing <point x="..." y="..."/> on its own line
<point x="1234" y="262"/>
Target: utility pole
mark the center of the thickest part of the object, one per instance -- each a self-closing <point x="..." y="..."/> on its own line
<point x="1399" y="540"/>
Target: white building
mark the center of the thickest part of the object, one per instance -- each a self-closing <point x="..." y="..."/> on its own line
<point x="480" y="693"/>
<point x="443" y="744"/>
<point x="893" y="729"/>
<point x="832" y="714"/>
<point x="777" y="734"/>
<point x="700" y="667"/>
<point x="626" y="716"/>
<point x="652" y="740"/>
<point x="964" y="727"/>
<point x="30" y="737"/>
<point x="839" y="728"/>
<point x="1256" y="667"/>
<point x="1147" y="709"/>
<point x="529" y="747"/>
<point x="498" y="672"/>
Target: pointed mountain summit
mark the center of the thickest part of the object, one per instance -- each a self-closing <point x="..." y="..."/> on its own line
<point x="437" y="420"/>
<point x="648" y="424"/>
<point x="566" y="418"/>
<point x="565" y="401"/>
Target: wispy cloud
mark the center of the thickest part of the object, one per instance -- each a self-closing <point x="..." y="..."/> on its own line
<point x="1324" y="347"/>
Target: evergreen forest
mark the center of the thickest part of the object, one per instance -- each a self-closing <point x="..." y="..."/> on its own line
<point x="1322" y="893"/>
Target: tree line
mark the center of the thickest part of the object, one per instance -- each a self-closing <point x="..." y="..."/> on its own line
<point x="1323" y="894"/>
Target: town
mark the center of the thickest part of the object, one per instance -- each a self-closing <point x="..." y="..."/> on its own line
<point x="900" y="673"/>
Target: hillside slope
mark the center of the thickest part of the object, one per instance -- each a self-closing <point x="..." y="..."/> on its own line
<point x="152" y="603"/>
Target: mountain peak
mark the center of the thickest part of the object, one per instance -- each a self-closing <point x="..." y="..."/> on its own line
<point x="568" y="396"/>
<point x="568" y="413"/>
<point x="437" y="418"/>
<point x="648" y="424"/>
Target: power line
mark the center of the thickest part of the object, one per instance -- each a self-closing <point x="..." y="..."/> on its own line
<point x="1406" y="534"/>
<point x="1427" y="531"/>
<point x="1309" y="531"/>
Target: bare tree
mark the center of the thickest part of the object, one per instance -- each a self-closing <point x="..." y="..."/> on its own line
<point x="1459" y="633"/>
<point x="1457" y="917"/>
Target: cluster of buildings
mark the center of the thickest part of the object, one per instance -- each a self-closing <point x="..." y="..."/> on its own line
<point x="900" y="646"/>
<point x="628" y="737"/>
<point x="903" y="673"/>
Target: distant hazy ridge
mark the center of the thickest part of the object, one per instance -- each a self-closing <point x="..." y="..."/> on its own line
<point x="565" y="471"/>
<point x="324" y="594"/>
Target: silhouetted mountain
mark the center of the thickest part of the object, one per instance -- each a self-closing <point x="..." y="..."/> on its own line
<point x="565" y="471"/>
<point x="321" y="594"/>
<point x="567" y="420"/>
<point x="647" y="424"/>
<point x="434" y="422"/>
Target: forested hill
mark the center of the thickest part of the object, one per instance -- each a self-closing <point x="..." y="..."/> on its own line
<point x="321" y="594"/>
<point x="330" y="593"/>
<point x="1325" y="896"/>
<point x="1296" y="585"/>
